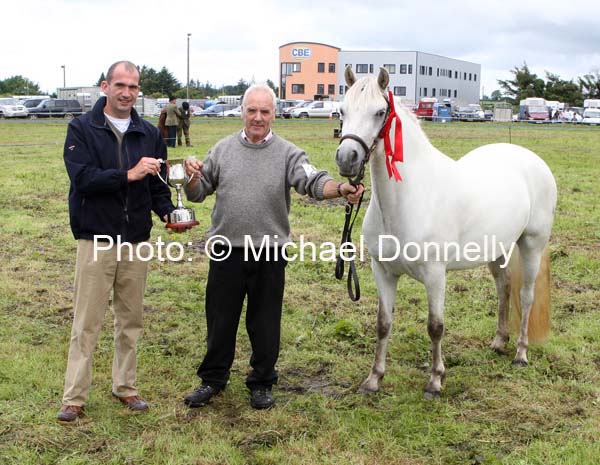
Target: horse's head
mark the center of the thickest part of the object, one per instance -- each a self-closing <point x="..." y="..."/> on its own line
<point x="364" y="112"/>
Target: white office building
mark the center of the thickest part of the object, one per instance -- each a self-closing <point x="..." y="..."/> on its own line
<point x="414" y="75"/>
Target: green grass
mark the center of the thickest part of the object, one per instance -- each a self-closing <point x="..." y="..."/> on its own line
<point x="488" y="412"/>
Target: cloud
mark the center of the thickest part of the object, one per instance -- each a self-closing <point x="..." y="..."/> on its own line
<point x="233" y="39"/>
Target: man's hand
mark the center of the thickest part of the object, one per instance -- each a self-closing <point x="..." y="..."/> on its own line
<point x="193" y="167"/>
<point x="351" y="193"/>
<point x="146" y="165"/>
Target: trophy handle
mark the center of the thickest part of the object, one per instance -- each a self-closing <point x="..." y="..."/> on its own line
<point x="163" y="162"/>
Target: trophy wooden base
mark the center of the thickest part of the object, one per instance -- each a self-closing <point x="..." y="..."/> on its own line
<point x="182" y="225"/>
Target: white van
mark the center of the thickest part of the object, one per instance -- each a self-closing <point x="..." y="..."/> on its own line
<point x="318" y="109"/>
<point x="591" y="116"/>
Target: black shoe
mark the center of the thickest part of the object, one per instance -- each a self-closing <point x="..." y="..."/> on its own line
<point x="200" y="396"/>
<point x="262" y="398"/>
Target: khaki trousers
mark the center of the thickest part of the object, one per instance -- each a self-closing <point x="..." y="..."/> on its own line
<point x="94" y="281"/>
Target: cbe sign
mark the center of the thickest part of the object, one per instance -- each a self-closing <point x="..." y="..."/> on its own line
<point x="301" y="53"/>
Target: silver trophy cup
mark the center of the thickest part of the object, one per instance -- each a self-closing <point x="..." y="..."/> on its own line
<point x="181" y="217"/>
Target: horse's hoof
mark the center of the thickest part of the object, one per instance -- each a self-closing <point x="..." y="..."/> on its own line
<point x="499" y="350"/>
<point x="367" y="390"/>
<point x="431" y="395"/>
<point x="519" y="363"/>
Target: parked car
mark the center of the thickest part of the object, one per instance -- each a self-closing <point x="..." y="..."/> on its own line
<point x="237" y="111"/>
<point x="591" y="116"/>
<point x="53" y="108"/>
<point x="217" y="109"/>
<point x="287" y="112"/>
<point x="285" y="104"/>
<point x="33" y="102"/>
<point x="318" y="109"/>
<point x="471" y="112"/>
<point x="10" y="108"/>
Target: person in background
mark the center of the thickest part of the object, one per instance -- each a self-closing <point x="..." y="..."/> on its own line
<point x="252" y="171"/>
<point x="112" y="158"/>
<point x="172" y="121"/>
<point x="184" y="124"/>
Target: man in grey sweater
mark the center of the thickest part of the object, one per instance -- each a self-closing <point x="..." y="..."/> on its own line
<point x="252" y="172"/>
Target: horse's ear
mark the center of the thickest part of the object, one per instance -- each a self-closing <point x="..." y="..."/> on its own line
<point x="349" y="76"/>
<point x="383" y="79"/>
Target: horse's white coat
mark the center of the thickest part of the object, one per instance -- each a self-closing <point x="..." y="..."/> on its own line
<point x="502" y="191"/>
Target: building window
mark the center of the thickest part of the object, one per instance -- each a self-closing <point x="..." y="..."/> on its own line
<point x="455" y="93"/>
<point x="422" y="70"/>
<point x="332" y="67"/>
<point x="296" y="68"/>
<point x="409" y="69"/>
<point x="400" y="91"/>
<point x="390" y="68"/>
<point x="371" y="69"/>
<point x="474" y="77"/>
<point x="331" y="89"/>
<point x="433" y="92"/>
<point x="424" y="91"/>
<point x="320" y="67"/>
<point x="362" y="68"/>
<point x="341" y="90"/>
<point x="297" y="88"/>
<point x="402" y="69"/>
<point x="455" y="74"/>
<point x="438" y="72"/>
<point x="430" y="71"/>
<point x="465" y="77"/>
<point x="320" y="89"/>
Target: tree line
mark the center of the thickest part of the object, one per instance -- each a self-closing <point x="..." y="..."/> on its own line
<point x="527" y="84"/>
<point x="153" y="83"/>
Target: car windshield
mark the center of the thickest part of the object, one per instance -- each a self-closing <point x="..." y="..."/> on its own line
<point x="592" y="114"/>
<point x="31" y="103"/>
<point x="538" y="109"/>
<point x="8" y="101"/>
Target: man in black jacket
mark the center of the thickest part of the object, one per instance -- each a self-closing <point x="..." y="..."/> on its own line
<point x="112" y="158"/>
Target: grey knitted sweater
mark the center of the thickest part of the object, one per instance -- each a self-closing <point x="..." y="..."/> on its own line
<point x="252" y="184"/>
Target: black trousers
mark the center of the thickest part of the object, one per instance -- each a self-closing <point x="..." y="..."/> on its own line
<point x="229" y="282"/>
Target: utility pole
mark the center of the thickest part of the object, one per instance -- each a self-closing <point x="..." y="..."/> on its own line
<point x="188" y="68"/>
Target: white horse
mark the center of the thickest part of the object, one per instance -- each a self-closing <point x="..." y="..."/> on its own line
<point x="446" y="210"/>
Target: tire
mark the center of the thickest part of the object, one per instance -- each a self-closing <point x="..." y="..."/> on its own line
<point x="32" y="116"/>
<point x="303" y="115"/>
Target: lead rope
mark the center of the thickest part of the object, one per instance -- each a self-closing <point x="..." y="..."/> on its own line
<point x="352" y="283"/>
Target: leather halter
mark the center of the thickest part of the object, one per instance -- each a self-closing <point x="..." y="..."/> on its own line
<point x="368" y="150"/>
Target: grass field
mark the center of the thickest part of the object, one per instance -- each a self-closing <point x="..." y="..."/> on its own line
<point x="488" y="412"/>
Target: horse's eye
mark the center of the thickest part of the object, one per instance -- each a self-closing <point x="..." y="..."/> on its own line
<point x="380" y="113"/>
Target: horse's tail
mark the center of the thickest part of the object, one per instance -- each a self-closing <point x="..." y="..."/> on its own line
<point x="539" y="318"/>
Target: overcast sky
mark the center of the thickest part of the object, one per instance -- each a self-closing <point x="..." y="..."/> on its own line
<point x="240" y="39"/>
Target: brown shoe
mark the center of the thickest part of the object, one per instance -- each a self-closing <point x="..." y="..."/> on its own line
<point x="69" y="413"/>
<point x="133" y="402"/>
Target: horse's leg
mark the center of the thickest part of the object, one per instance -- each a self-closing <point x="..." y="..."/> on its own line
<point x="502" y="279"/>
<point x="531" y="249"/>
<point x="386" y="290"/>
<point x="435" y="284"/>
